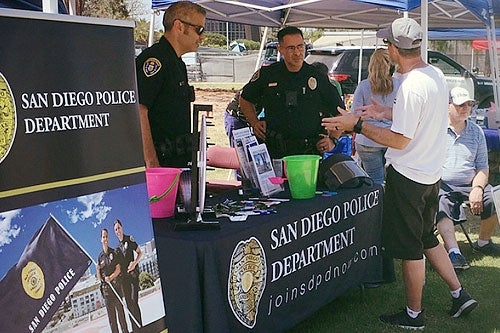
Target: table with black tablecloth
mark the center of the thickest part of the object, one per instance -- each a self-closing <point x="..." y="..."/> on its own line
<point x="272" y="271"/>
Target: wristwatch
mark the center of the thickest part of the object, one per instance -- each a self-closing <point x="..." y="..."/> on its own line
<point x="334" y="139"/>
<point x="357" y="128"/>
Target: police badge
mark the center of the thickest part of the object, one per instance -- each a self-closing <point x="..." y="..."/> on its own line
<point x="312" y="83"/>
<point x="151" y="66"/>
<point x="247" y="280"/>
<point x="33" y="280"/>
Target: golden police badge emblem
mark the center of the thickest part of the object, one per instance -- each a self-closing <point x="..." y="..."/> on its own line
<point x="247" y="280"/>
<point x="151" y="66"/>
<point x="312" y="83"/>
<point x="8" y="121"/>
<point x="33" y="280"/>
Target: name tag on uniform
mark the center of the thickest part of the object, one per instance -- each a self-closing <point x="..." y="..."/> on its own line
<point x="272" y="84"/>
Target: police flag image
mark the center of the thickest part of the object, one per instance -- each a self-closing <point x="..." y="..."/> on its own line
<point x="33" y="289"/>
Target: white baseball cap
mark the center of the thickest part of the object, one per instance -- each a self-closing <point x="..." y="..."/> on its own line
<point x="459" y="96"/>
<point x="404" y="33"/>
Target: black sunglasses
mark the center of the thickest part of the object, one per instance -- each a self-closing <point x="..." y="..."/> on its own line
<point x="386" y="41"/>
<point x="197" y="28"/>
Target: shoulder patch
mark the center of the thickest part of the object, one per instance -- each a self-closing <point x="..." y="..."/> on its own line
<point x="255" y="76"/>
<point x="151" y="66"/>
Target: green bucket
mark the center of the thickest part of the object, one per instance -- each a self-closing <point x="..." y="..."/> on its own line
<point x="302" y="174"/>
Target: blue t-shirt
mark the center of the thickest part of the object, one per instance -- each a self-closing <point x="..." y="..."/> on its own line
<point x="465" y="155"/>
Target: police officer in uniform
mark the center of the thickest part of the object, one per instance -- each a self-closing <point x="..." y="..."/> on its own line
<point x="295" y="97"/>
<point x="108" y="271"/>
<point x="129" y="272"/>
<point x="164" y="93"/>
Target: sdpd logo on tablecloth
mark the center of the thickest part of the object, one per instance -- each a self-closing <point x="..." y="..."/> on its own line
<point x="247" y="280"/>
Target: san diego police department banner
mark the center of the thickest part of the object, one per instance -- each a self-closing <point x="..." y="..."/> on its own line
<point x="71" y="154"/>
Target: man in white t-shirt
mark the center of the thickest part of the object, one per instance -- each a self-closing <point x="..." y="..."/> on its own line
<point x="415" y="159"/>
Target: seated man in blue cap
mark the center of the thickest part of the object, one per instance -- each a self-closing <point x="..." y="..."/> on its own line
<point x="465" y="179"/>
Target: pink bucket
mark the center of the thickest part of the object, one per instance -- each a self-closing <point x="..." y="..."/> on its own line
<point x="162" y="190"/>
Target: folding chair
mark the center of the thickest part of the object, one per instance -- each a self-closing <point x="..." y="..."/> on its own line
<point x="466" y="205"/>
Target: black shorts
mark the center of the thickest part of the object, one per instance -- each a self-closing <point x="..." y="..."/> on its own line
<point x="408" y="218"/>
<point x="451" y="198"/>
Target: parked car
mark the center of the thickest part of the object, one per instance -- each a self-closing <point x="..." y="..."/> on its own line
<point x="271" y="53"/>
<point x="344" y="63"/>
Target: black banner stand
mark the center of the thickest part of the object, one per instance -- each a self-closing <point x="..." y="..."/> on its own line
<point x="199" y="144"/>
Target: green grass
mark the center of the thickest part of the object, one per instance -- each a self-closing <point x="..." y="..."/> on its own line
<point x="358" y="312"/>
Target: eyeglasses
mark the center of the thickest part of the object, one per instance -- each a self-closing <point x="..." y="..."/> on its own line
<point x="197" y="28"/>
<point x="292" y="48"/>
<point x="386" y="41"/>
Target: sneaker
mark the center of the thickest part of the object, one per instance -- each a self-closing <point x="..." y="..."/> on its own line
<point x="458" y="261"/>
<point x="462" y="305"/>
<point x="403" y="320"/>
<point x="490" y="249"/>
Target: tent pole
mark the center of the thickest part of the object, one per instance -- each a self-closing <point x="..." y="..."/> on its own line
<point x="492" y="43"/>
<point x="360" y="61"/>
<point x="424" y="18"/>
<point x="472" y="59"/>
<point x="50" y="6"/>
<point x="262" y="44"/>
<point x="151" y="28"/>
<point x="227" y="35"/>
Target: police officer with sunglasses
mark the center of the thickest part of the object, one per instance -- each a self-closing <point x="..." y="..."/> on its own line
<point x="164" y="93"/>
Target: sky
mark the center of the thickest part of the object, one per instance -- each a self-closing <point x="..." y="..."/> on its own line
<point x="82" y="217"/>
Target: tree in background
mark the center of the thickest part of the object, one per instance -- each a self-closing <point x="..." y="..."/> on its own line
<point x="311" y="35"/>
<point x="118" y="10"/>
<point x="112" y="9"/>
<point x="141" y="32"/>
<point x="211" y="39"/>
<point x="146" y="280"/>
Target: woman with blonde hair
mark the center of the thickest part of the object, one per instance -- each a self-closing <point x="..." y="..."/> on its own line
<point x="381" y="86"/>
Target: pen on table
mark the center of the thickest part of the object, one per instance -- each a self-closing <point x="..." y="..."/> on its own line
<point x="326" y="193"/>
<point x="266" y="212"/>
<point x="268" y="199"/>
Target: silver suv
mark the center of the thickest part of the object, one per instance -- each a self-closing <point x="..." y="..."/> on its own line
<point x="344" y="63"/>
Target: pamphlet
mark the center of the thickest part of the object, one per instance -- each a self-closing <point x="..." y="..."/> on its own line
<point x="243" y="139"/>
<point x="263" y="167"/>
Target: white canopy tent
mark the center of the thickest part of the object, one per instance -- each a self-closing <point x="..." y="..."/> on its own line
<point x="358" y="14"/>
<point x="346" y="14"/>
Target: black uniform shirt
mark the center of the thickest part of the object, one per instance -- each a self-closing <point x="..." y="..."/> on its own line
<point x="294" y="102"/>
<point x="127" y="248"/>
<point x="107" y="262"/>
<point x="163" y="87"/>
